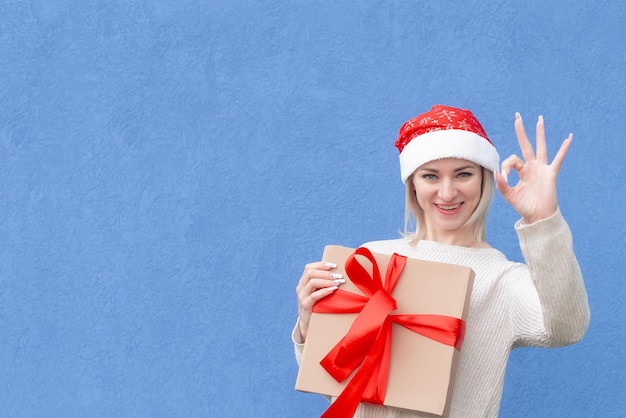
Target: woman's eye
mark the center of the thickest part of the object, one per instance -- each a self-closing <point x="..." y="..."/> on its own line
<point x="465" y="174"/>
<point x="429" y="176"/>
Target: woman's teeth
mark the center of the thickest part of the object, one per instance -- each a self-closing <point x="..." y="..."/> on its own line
<point x="449" y="207"/>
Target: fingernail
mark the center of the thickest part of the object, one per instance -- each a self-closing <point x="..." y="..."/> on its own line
<point x="540" y="119"/>
<point x="336" y="276"/>
<point x="339" y="281"/>
<point x="332" y="288"/>
<point x="506" y="180"/>
<point x="331" y="265"/>
<point x="518" y="116"/>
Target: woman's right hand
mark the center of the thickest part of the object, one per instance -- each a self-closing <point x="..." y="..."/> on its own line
<point x="317" y="282"/>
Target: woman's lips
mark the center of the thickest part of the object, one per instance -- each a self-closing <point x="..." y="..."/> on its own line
<point x="449" y="209"/>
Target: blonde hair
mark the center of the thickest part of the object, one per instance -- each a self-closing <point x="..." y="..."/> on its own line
<point x="477" y="222"/>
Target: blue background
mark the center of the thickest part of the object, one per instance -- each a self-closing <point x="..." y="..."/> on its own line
<point x="167" y="169"/>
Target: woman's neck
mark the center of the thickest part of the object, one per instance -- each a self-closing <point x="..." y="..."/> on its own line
<point x="461" y="239"/>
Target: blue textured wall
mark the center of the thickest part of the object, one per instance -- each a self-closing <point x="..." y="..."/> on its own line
<point x="167" y="168"/>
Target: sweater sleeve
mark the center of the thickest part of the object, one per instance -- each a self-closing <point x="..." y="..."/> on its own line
<point x="550" y="308"/>
<point x="298" y="344"/>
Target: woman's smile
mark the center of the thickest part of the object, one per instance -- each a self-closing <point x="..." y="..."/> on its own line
<point x="448" y="209"/>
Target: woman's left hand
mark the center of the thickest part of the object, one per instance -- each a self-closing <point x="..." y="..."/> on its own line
<point x="534" y="196"/>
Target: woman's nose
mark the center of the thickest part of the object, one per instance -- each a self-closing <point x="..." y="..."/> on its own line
<point x="447" y="191"/>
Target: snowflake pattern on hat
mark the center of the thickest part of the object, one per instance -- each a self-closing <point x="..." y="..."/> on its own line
<point x="439" y="118"/>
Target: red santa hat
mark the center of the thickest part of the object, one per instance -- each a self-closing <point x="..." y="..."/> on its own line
<point x="444" y="132"/>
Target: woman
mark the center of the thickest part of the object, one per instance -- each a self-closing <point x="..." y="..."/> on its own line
<point x="448" y="165"/>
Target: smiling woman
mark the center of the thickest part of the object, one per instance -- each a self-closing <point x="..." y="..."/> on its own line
<point x="444" y="194"/>
<point x="448" y="165"/>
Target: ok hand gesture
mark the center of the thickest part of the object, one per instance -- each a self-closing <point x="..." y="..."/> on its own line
<point x="534" y="196"/>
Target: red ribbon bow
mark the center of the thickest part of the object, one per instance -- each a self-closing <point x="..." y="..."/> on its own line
<point x="368" y="342"/>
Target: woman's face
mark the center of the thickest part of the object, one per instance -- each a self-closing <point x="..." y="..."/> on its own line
<point x="448" y="191"/>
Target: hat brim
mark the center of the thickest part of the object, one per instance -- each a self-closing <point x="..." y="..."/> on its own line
<point x="447" y="143"/>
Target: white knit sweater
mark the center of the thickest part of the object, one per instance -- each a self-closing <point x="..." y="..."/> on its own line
<point x="542" y="303"/>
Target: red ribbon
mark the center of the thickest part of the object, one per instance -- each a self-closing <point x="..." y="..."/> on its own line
<point x="368" y="342"/>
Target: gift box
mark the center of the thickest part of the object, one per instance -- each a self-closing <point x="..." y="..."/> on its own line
<point x="390" y="335"/>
